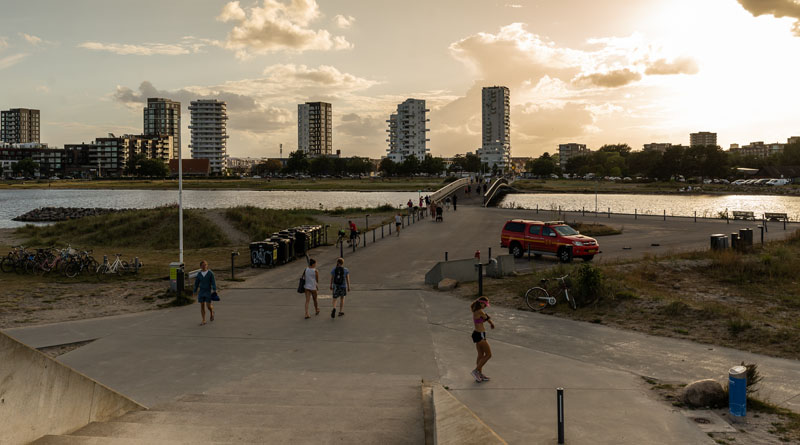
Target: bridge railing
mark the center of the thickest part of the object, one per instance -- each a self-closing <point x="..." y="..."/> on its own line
<point x="492" y="191"/>
<point x="449" y="188"/>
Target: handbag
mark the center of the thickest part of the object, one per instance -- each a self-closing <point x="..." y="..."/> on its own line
<point x="301" y="287"/>
<point x="214" y="296"/>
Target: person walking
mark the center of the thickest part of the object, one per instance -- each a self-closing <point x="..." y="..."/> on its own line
<point x="204" y="285"/>
<point x="479" y="317"/>
<point x="311" y="275"/>
<point x="455" y="202"/>
<point x="340" y="284"/>
<point x="398" y="221"/>
<point x="447" y="203"/>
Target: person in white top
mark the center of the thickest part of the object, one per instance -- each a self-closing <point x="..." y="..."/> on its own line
<point x="312" y="277"/>
<point x="398" y="221"/>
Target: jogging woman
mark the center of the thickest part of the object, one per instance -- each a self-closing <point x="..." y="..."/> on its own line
<point x="312" y="277"/>
<point x="479" y="317"/>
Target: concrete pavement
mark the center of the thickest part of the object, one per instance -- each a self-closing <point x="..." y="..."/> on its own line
<point x="396" y="326"/>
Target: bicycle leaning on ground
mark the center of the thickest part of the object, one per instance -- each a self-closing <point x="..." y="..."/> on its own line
<point x="537" y="298"/>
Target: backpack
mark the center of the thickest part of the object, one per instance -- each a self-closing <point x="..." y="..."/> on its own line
<point x="338" y="276"/>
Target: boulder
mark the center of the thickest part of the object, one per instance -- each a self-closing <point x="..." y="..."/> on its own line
<point x="703" y="393"/>
<point x="447" y="284"/>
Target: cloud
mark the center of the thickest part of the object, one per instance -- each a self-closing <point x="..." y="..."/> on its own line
<point x="277" y="26"/>
<point x="775" y="8"/>
<point x="187" y="45"/>
<point x="610" y="79"/>
<point x="512" y="5"/>
<point x="9" y="61"/>
<point x="3" y="43"/>
<point x="681" y="65"/>
<point x="344" y="22"/>
<point x="33" y="40"/>
<point x="362" y="128"/>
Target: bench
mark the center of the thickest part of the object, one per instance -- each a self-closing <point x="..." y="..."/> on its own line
<point x="776" y="216"/>
<point x="738" y="214"/>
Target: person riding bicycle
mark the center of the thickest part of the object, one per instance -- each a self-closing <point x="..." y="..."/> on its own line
<point x="353" y="230"/>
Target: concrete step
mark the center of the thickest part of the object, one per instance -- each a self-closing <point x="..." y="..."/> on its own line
<point x="366" y="419"/>
<point x="315" y="380"/>
<point x="307" y="433"/>
<point x="88" y="440"/>
<point x="226" y="410"/>
<point x="376" y="397"/>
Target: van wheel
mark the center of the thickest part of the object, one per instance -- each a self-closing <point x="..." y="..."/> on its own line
<point x="565" y="255"/>
<point x="588" y="258"/>
<point x="516" y="250"/>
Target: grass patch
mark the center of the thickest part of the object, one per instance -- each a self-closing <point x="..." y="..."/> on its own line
<point x="595" y="229"/>
<point x="260" y="223"/>
<point x="142" y="229"/>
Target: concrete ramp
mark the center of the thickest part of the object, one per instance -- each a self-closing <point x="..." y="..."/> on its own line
<point x="40" y="396"/>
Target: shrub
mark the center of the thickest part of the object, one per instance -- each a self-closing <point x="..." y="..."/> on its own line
<point x="737" y="326"/>
<point x="589" y="283"/>
<point x="675" y="309"/>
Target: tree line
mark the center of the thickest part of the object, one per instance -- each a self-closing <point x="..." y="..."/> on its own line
<point x="700" y="161"/>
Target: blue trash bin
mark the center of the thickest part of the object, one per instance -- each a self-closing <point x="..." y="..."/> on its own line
<point x="737" y="391"/>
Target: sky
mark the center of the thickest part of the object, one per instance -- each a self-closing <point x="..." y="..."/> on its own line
<point x="585" y="71"/>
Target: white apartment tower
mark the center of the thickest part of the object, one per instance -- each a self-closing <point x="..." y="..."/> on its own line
<point x="209" y="132"/>
<point x="408" y="135"/>
<point x="315" y="129"/>
<point x="496" y="141"/>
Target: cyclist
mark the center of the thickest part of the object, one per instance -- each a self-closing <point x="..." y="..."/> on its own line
<point x="479" y="317"/>
<point x="353" y="230"/>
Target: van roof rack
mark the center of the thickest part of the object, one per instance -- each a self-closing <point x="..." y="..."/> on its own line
<point x="553" y="223"/>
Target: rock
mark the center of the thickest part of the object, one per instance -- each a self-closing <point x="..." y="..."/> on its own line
<point x="703" y="393"/>
<point x="447" y="284"/>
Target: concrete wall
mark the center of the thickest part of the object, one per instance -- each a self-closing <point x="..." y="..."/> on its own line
<point x="501" y="266"/>
<point x="459" y="270"/>
<point x="40" y="396"/>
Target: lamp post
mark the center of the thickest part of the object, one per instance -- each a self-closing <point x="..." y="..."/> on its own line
<point x="180" y="205"/>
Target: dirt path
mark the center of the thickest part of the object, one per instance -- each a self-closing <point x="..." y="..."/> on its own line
<point x="7" y="237"/>
<point x="217" y="216"/>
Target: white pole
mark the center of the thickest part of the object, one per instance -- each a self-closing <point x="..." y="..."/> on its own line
<point x="180" y="204"/>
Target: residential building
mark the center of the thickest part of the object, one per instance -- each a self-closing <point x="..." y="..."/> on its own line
<point x="50" y="160"/>
<point x="660" y="147"/>
<point x="209" y="132"/>
<point x="19" y="126"/>
<point x="190" y="167"/>
<point x="793" y="140"/>
<point x="496" y="129"/>
<point x="408" y="132"/>
<point x="315" y="129"/>
<point x="702" y="139"/>
<point x="162" y="117"/>
<point x="567" y="151"/>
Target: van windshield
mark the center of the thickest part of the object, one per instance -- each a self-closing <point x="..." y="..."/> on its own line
<point x="566" y="230"/>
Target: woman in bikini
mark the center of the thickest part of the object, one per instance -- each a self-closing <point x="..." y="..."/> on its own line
<point x="479" y="317"/>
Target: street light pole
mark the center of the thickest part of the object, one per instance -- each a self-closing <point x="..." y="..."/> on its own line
<point x="180" y="205"/>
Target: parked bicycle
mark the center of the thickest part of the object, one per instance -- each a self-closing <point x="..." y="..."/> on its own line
<point x="118" y="266"/>
<point x="538" y="298"/>
<point x="344" y="237"/>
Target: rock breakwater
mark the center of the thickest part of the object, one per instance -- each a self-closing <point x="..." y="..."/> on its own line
<point x="53" y="214"/>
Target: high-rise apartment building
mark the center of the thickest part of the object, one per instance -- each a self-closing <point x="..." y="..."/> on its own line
<point x="660" y="147"/>
<point x="209" y="132"/>
<point x="19" y="126"/>
<point x="408" y="132"/>
<point x="314" y="128"/>
<point x="567" y="151"/>
<point x="496" y="130"/>
<point x="702" y="139"/>
<point x="162" y="117"/>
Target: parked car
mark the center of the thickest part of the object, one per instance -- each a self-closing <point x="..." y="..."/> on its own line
<point x="547" y="238"/>
<point x="739" y="182"/>
<point x="777" y="181"/>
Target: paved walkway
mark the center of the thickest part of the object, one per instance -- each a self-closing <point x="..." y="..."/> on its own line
<point x="394" y="325"/>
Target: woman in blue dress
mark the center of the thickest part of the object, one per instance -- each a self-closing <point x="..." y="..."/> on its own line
<point x="204" y="285"/>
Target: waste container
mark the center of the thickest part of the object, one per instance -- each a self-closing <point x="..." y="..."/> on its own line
<point x="301" y="246"/>
<point x="314" y="235"/>
<point x="746" y="237"/>
<point x="737" y="392"/>
<point x="175" y="276"/>
<point x="735" y="242"/>
<point x="263" y="254"/>
<point x="719" y="241"/>
<point x="289" y="235"/>
<point x="282" y="247"/>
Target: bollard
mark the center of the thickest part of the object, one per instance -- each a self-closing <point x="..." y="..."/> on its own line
<point x="537" y="209"/>
<point x="583" y="211"/>
<point x="373" y="235"/>
<point x="635" y="214"/>
<point x="761" y="228"/>
<point x="727" y="218"/>
<point x="366" y="227"/>
<point x="560" y="408"/>
<point x="233" y="273"/>
<point x="327" y="226"/>
<point x="136" y="264"/>
<point x="609" y="213"/>
<point x="695" y="216"/>
<point x="390" y="228"/>
<point x="665" y="214"/>
<point x="341" y="250"/>
<point x="445" y="256"/>
<point x="490" y="254"/>
<point x="766" y="226"/>
<point x="181" y="281"/>
<point x="784" y="223"/>
<point x="480" y="279"/>
<point x="737" y="392"/>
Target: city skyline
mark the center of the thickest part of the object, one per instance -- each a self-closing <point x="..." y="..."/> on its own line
<point x="578" y="72"/>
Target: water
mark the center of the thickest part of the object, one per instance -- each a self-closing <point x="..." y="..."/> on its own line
<point x="709" y="206"/>
<point x="16" y="202"/>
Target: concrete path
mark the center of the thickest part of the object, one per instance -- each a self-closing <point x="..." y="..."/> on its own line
<point x="396" y="326"/>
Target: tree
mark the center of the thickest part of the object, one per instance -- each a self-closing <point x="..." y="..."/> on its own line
<point x="297" y="162"/>
<point x="388" y="167"/>
<point x="358" y="166"/>
<point x="410" y="166"/>
<point x="472" y="163"/>
<point x="622" y="149"/>
<point x="154" y="168"/>
<point x="27" y="167"/>
<point x="322" y="165"/>
<point x="544" y="165"/>
<point x="432" y="166"/>
<point x="132" y="166"/>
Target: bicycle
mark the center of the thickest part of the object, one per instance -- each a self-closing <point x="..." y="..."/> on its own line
<point x="344" y="237"/>
<point x="116" y="267"/>
<point x="537" y="298"/>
